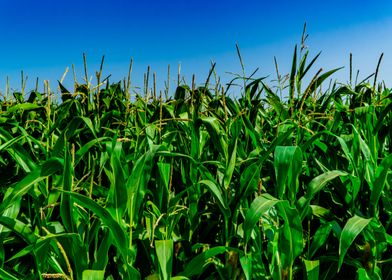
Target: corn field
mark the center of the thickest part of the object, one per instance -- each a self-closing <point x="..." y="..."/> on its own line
<point x="289" y="179"/>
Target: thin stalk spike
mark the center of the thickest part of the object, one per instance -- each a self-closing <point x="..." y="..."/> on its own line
<point x="179" y="74"/>
<point x="160" y="115"/>
<point x="99" y="74"/>
<point x="74" y="77"/>
<point x="129" y="80"/>
<point x="22" y="79"/>
<point x="64" y="74"/>
<point x="36" y="84"/>
<point x="193" y="82"/>
<point x="376" y="73"/>
<point x="147" y="77"/>
<point x="356" y="77"/>
<point x="209" y="74"/>
<point x="154" y="76"/>
<point x="144" y="84"/>
<point x="240" y="57"/>
<point x="7" y="88"/>
<point x="168" y="83"/>
<point x="85" y="68"/>
<point x="351" y="69"/>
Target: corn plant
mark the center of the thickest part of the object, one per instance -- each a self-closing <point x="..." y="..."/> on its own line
<point x="285" y="180"/>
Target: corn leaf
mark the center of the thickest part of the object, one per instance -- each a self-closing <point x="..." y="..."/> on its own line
<point x="351" y="230"/>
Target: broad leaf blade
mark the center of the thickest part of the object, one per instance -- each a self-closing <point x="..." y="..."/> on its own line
<point x="290" y="234"/>
<point x="288" y="167"/>
<point x="197" y="265"/>
<point x="259" y="206"/>
<point x="93" y="274"/>
<point x="351" y="230"/>
<point x="66" y="207"/>
<point x="164" y="250"/>
<point x="379" y="182"/>
<point x="319" y="182"/>
<point x="312" y="269"/>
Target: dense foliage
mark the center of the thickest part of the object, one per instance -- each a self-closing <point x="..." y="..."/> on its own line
<point x="282" y="181"/>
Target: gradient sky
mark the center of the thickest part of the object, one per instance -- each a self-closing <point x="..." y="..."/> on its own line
<point x="44" y="37"/>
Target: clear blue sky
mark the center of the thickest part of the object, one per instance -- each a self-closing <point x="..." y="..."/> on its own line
<point x="44" y="37"/>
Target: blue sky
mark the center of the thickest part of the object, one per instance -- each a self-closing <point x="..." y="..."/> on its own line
<point x="44" y="37"/>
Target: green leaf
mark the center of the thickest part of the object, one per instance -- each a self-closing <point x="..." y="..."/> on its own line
<point x="24" y="107"/>
<point x="35" y="176"/>
<point x="90" y="125"/>
<point x="217" y="134"/>
<point x="12" y="211"/>
<point x="319" y="211"/>
<point x="117" y="197"/>
<point x="250" y="130"/>
<point x="217" y="193"/>
<point x="17" y="152"/>
<point x="362" y="274"/>
<point x="312" y="269"/>
<point x="21" y="188"/>
<point x="249" y="179"/>
<point x="230" y="167"/>
<point x="319" y="80"/>
<point x="288" y="167"/>
<point x="302" y="72"/>
<point x="93" y="274"/>
<point x="7" y="275"/>
<point x="2" y="254"/>
<point x="259" y="206"/>
<point x="51" y="166"/>
<point x="164" y="250"/>
<point x="379" y="182"/>
<point x="12" y="141"/>
<point x="319" y="182"/>
<point x="164" y="172"/>
<point x="103" y="251"/>
<point x="276" y="103"/>
<point x="292" y="78"/>
<point x="66" y="204"/>
<point x="198" y="264"/>
<point x="20" y="229"/>
<point x="246" y="264"/>
<point x="86" y="147"/>
<point x="138" y="180"/>
<point x="381" y="118"/>
<point x="346" y="151"/>
<point x="351" y="230"/>
<point x="290" y="234"/>
<point x="320" y="237"/>
<point x="106" y="219"/>
<point x="117" y="232"/>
